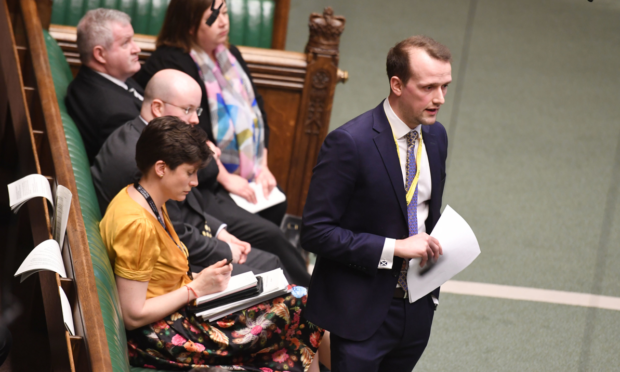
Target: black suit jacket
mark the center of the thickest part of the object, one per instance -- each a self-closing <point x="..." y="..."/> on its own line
<point x="98" y="107"/>
<point x="115" y="167"/>
<point x="357" y="199"/>
<point x="175" y="58"/>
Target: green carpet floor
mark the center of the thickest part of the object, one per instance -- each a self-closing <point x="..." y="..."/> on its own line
<point x="533" y="117"/>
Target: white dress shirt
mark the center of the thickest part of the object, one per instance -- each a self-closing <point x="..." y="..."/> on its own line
<point x="400" y="130"/>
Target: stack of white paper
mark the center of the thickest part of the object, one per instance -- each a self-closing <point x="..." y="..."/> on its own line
<point x="460" y="249"/>
<point x="274" y="285"/>
<point x="275" y="197"/>
<point x="45" y="256"/>
<point x="236" y="284"/>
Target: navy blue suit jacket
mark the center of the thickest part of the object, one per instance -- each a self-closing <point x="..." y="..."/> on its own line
<point x="357" y="199"/>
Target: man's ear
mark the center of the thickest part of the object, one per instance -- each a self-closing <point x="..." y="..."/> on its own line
<point x="396" y="85"/>
<point x="99" y="54"/>
<point x="157" y="108"/>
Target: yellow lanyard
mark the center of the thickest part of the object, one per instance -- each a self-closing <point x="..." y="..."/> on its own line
<point x="417" y="163"/>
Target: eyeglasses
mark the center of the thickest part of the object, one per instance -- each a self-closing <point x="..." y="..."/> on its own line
<point x="187" y="110"/>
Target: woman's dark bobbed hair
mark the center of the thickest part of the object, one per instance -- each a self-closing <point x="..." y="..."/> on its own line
<point x="172" y="141"/>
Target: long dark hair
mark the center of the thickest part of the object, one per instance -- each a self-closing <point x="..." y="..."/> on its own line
<point x="172" y="141"/>
<point x="182" y="18"/>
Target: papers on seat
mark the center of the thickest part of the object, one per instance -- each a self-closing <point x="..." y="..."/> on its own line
<point x="274" y="285"/>
<point x="460" y="249"/>
<point x="67" y="316"/>
<point x="45" y="256"/>
<point x="32" y="186"/>
<point x="236" y="284"/>
<point x="275" y="197"/>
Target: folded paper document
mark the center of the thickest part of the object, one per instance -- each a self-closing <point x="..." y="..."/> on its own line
<point x="275" y="197"/>
<point x="460" y="249"/>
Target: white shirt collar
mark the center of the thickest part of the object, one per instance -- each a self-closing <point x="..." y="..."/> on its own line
<point x="113" y="79"/>
<point x="399" y="127"/>
<point x="144" y="121"/>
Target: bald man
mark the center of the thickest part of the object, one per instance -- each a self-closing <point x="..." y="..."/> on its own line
<point x="174" y="93"/>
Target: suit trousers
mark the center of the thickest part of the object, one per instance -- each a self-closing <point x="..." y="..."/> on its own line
<point x="259" y="232"/>
<point x="395" y="347"/>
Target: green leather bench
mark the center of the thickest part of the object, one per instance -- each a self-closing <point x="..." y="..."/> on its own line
<point x="251" y="21"/>
<point x="104" y="276"/>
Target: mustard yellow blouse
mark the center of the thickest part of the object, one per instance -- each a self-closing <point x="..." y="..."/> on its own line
<point x="140" y="249"/>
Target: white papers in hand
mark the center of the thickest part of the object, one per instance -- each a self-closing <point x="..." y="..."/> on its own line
<point x="275" y="197"/>
<point x="61" y="215"/>
<point x="45" y="256"/>
<point x="67" y="316"/>
<point x="460" y="249"/>
<point x="32" y="186"/>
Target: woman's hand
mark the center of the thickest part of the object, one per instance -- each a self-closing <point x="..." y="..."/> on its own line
<point x="212" y="279"/>
<point x="266" y="179"/>
<point x="236" y="184"/>
<point x="216" y="150"/>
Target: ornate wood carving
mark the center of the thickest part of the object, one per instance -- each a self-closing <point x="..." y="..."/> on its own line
<point x="322" y="53"/>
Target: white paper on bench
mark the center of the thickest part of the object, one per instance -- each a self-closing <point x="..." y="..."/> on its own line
<point x="235" y="284"/>
<point x="274" y="285"/>
<point x="460" y="249"/>
<point x="31" y="186"/>
<point x="61" y="214"/>
<point x="45" y="256"/>
<point x="275" y="197"/>
<point x="67" y="316"/>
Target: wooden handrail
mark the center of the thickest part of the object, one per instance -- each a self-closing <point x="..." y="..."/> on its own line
<point x="86" y="289"/>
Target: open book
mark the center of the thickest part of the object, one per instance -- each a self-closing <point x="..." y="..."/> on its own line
<point x="274" y="285"/>
<point x="236" y="284"/>
<point x="275" y="197"/>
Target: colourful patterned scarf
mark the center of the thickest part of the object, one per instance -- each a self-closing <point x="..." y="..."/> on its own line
<point x="236" y="120"/>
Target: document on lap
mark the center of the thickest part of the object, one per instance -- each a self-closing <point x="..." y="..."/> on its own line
<point x="460" y="249"/>
<point x="275" y="197"/>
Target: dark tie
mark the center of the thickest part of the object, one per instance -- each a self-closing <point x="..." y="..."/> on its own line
<point x="412" y="207"/>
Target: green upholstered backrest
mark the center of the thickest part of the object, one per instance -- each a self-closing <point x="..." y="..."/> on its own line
<point x="251" y="21"/>
<point x="104" y="276"/>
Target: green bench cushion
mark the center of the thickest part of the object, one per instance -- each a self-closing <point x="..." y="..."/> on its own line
<point x="104" y="276"/>
<point x="251" y="21"/>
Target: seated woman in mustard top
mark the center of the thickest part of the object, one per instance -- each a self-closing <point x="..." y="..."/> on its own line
<point x="155" y="285"/>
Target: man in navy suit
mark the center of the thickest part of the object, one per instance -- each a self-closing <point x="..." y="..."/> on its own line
<point x="374" y="197"/>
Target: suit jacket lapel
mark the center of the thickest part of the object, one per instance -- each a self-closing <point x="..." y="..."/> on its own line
<point x="384" y="140"/>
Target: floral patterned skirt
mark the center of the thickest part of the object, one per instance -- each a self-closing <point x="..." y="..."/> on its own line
<point x="271" y="336"/>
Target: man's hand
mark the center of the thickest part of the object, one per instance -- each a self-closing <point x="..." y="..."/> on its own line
<point x="239" y="248"/>
<point x="421" y="246"/>
<point x="266" y="179"/>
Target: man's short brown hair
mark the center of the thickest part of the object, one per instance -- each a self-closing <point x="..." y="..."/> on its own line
<point x="398" y="57"/>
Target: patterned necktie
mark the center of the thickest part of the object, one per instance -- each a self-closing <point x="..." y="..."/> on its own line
<point x="412" y="207"/>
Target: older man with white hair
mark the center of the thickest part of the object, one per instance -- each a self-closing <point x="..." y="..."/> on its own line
<point x="103" y="96"/>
